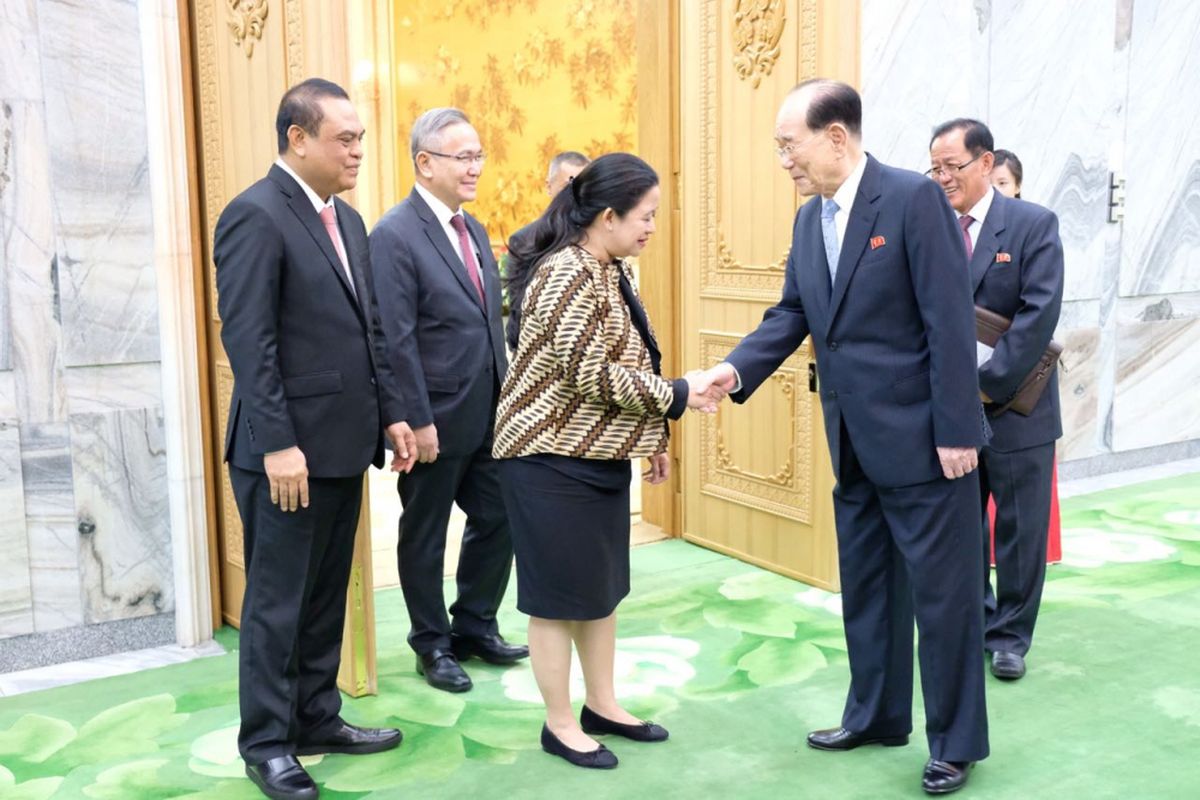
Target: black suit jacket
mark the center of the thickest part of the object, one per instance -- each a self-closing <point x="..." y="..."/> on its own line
<point x="446" y="346"/>
<point x="306" y="352"/>
<point x="1026" y="286"/>
<point x="894" y="336"/>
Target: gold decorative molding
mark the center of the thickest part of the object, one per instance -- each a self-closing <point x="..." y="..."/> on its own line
<point x="233" y="546"/>
<point x="757" y="28"/>
<point x="722" y="274"/>
<point x="727" y="262"/>
<point x="787" y="491"/>
<point x="247" y="18"/>
<point x="212" y="166"/>
<point x="808" y="40"/>
<point x="293" y="26"/>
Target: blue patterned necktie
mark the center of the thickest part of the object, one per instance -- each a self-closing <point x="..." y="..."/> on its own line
<point x="829" y="234"/>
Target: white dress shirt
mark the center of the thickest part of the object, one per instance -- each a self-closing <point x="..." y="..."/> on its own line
<point x="320" y="205"/>
<point x="443" y="214"/>
<point x="979" y="213"/>
<point x="844" y="197"/>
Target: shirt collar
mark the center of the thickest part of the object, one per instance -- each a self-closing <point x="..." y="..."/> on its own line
<point x="846" y="193"/>
<point x="318" y="204"/>
<point x="979" y="211"/>
<point x="439" y="209"/>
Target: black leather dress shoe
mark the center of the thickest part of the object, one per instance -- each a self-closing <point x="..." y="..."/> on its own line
<point x="491" y="648"/>
<point x="842" y="739"/>
<point x="1007" y="666"/>
<point x="352" y="740"/>
<point x="943" y="777"/>
<point x="282" y="778"/>
<point x="600" y="758"/>
<point x="642" y="732"/>
<point x="442" y="671"/>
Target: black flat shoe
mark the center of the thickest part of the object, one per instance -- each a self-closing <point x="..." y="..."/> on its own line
<point x="491" y="648"/>
<point x="943" y="777"/>
<point x="647" y="731"/>
<point x="600" y="758"/>
<point x="351" y="740"/>
<point x="282" y="778"/>
<point x="1007" y="666"/>
<point x="442" y="671"/>
<point x="842" y="739"/>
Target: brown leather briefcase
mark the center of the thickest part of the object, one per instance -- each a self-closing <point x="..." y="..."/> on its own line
<point x="988" y="327"/>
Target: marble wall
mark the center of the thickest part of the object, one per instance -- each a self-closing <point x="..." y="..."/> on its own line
<point x="1078" y="89"/>
<point x="84" y="522"/>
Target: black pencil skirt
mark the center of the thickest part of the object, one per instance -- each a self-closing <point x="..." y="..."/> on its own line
<point x="570" y="531"/>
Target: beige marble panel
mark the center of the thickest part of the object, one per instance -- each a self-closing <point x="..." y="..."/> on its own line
<point x="119" y="469"/>
<point x="1077" y="386"/>
<point x="16" y="596"/>
<point x="1156" y="399"/>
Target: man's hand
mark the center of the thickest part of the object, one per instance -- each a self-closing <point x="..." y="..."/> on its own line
<point x="702" y="394"/>
<point x="404" y="446"/>
<point x="660" y="468"/>
<point x="287" y="470"/>
<point x="724" y="376"/>
<point x="427" y="443"/>
<point x="957" y="461"/>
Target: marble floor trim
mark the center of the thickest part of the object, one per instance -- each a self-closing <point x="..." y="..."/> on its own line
<point x="85" y="641"/>
<point x="32" y="680"/>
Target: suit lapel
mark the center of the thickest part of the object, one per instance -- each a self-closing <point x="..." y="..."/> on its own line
<point x="300" y="205"/>
<point x="862" y="219"/>
<point x="988" y="245"/>
<point x="440" y="240"/>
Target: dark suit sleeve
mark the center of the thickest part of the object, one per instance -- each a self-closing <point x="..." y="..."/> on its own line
<point x="936" y="256"/>
<point x="391" y="388"/>
<point x="783" y="328"/>
<point x="1033" y="325"/>
<point x="397" y="288"/>
<point x="249" y="254"/>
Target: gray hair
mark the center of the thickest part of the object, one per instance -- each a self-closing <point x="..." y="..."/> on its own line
<point x="566" y="157"/>
<point x="428" y="127"/>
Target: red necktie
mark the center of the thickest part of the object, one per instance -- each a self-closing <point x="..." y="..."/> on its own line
<point x="468" y="253"/>
<point x="964" y="222"/>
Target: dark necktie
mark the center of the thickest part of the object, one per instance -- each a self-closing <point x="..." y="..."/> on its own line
<point x="964" y="222"/>
<point x="468" y="253"/>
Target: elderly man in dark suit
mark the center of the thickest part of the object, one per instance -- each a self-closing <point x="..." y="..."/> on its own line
<point x="313" y="393"/>
<point x="563" y="169"/>
<point x="1015" y="263"/>
<point x="873" y="276"/>
<point x="439" y="291"/>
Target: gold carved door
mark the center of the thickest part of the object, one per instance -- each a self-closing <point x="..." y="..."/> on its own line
<point x="245" y="54"/>
<point x="758" y="480"/>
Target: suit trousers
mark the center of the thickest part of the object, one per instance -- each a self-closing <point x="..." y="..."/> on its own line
<point x="1020" y="483"/>
<point x="905" y="552"/>
<point x="293" y="611"/>
<point x="484" y="562"/>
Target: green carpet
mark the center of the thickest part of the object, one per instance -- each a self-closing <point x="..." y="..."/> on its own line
<point x="738" y="663"/>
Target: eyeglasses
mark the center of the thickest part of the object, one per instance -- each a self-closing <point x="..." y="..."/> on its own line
<point x="791" y="148"/>
<point x="462" y="158"/>
<point x="938" y="172"/>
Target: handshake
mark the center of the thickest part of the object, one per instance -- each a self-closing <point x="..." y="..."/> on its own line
<point x="707" y="388"/>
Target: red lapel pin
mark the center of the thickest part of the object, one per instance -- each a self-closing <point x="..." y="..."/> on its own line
<point x="877" y="242"/>
<point x="1003" y="258"/>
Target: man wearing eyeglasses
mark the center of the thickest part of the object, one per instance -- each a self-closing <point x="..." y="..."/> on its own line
<point x="873" y="276"/>
<point x="439" y="299"/>
<point x="1015" y="263"/>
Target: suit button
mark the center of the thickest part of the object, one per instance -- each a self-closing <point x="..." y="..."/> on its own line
<point x="373" y="382"/>
<point x="832" y="394"/>
<point x="833" y="345"/>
